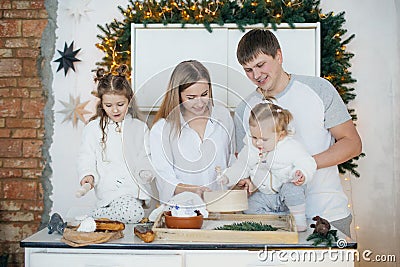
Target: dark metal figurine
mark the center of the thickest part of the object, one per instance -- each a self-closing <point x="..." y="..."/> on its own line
<point x="57" y="224"/>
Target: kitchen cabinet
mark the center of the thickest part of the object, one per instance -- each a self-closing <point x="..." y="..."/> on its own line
<point x="157" y="49"/>
<point x="43" y="249"/>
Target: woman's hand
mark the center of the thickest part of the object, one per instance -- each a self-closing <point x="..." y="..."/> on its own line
<point x="247" y="184"/>
<point x="197" y="189"/>
<point x="88" y="179"/>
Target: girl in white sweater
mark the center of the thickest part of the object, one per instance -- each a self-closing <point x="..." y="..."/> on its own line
<point x="113" y="158"/>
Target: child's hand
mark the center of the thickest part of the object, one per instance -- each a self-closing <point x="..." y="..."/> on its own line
<point x="299" y="178"/>
<point x="223" y="179"/>
<point x="246" y="184"/>
<point x="88" y="179"/>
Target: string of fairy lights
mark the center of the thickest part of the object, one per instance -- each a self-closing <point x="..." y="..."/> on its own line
<point x="335" y="59"/>
<point x="199" y="10"/>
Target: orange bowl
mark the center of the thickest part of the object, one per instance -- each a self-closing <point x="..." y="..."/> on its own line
<point x="194" y="222"/>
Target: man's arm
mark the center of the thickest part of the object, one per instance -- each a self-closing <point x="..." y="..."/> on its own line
<point x="347" y="146"/>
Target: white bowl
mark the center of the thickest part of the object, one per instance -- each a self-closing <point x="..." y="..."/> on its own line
<point x="226" y="201"/>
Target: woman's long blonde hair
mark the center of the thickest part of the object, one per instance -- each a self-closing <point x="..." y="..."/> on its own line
<point x="184" y="75"/>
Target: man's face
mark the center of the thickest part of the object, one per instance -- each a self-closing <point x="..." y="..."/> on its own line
<point x="266" y="72"/>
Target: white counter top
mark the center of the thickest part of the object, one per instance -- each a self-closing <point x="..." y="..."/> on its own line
<point x="42" y="239"/>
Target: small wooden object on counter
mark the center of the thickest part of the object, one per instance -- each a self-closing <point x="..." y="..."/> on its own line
<point x="144" y="232"/>
<point x="109" y="225"/>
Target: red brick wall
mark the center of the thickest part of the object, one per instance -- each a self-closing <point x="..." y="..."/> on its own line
<point x="21" y="124"/>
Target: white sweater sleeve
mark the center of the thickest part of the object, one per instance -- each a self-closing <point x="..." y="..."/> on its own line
<point x="146" y="171"/>
<point x="302" y="161"/>
<point x="86" y="161"/>
<point x="166" y="179"/>
<point x="241" y="168"/>
<point x="137" y="155"/>
<point x="232" y="147"/>
<point x="136" y="149"/>
<point x="307" y="166"/>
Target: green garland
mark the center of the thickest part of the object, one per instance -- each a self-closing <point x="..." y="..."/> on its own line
<point x="335" y="60"/>
<point x="329" y="239"/>
<point x="247" y="226"/>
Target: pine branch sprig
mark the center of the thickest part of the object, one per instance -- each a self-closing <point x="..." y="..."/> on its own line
<point x="319" y="239"/>
<point x="247" y="226"/>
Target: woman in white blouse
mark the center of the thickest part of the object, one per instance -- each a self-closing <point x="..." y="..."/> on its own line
<point x="191" y="134"/>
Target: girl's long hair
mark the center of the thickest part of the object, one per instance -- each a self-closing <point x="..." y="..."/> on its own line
<point x="114" y="83"/>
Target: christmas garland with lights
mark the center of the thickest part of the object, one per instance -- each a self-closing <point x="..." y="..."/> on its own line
<point x="335" y="60"/>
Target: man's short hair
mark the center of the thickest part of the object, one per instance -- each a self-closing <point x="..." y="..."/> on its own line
<point x="255" y="42"/>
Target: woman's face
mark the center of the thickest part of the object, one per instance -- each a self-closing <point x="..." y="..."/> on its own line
<point x="115" y="106"/>
<point x="196" y="97"/>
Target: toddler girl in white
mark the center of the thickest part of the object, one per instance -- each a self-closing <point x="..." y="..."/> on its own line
<point x="278" y="165"/>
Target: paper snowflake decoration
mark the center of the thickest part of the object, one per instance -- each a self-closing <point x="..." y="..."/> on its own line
<point x="78" y="9"/>
<point x="67" y="58"/>
<point x="74" y="110"/>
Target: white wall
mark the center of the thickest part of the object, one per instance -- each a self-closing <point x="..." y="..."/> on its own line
<point x="66" y="138"/>
<point x="375" y="196"/>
